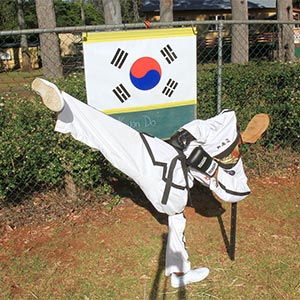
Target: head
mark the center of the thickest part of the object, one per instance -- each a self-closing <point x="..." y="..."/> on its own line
<point x="228" y="158"/>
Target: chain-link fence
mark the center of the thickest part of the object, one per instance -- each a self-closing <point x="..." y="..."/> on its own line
<point x="251" y="67"/>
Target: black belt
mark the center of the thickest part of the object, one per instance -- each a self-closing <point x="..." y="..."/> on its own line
<point x="169" y="181"/>
<point x="168" y="172"/>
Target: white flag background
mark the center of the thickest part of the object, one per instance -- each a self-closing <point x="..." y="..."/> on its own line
<point x="140" y="69"/>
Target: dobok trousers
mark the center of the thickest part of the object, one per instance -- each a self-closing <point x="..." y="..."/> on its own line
<point x="145" y="159"/>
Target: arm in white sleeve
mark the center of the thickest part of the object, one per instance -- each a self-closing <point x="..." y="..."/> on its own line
<point x="230" y="185"/>
<point x="199" y="129"/>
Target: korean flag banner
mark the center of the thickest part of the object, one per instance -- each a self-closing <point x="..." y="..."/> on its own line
<point x="144" y="78"/>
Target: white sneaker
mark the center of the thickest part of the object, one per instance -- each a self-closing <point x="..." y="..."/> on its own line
<point x="189" y="277"/>
<point x="50" y="94"/>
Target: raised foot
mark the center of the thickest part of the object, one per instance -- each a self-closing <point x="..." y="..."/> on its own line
<point x="50" y="94"/>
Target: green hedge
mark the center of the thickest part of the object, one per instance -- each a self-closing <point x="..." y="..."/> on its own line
<point x="270" y="88"/>
<point x="34" y="157"/>
<point x="27" y="147"/>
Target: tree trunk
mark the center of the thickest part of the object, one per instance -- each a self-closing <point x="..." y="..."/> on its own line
<point x="99" y="5"/>
<point x="82" y="12"/>
<point x="49" y="42"/>
<point x="112" y="12"/>
<point x="286" y="47"/>
<point x="240" y="32"/>
<point x="26" y="64"/>
<point x="166" y="10"/>
<point x="136" y="11"/>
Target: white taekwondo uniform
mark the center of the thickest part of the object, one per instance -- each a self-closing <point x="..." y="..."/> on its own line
<point x="157" y="167"/>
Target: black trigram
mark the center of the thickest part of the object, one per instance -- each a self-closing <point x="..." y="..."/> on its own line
<point x="168" y="54"/>
<point x="121" y="93"/>
<point x="170" y="87"/>
<point x="119" y="58"/>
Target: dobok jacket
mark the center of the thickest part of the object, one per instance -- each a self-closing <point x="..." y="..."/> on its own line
<point x="156" y="166"/>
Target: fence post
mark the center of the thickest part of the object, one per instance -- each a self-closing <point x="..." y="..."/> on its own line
<point x="220" y="53"/>
<point x="219" y="107"/>
<point x="232" y="231"/>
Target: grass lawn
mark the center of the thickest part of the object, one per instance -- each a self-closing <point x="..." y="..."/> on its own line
<point x="119" y="254"/>
<point x="17" y="81"/>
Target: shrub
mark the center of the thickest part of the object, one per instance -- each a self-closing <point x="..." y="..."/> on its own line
<point x="28" y="159"/>
<point x="271" y="88"/>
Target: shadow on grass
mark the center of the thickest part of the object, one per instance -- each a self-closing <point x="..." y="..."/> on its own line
<point x="205" y="204"/>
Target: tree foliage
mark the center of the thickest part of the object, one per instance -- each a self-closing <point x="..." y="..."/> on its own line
<point x="8" y="14"/>
<point x="296" y="3"/>
<point x="67" y="14"/>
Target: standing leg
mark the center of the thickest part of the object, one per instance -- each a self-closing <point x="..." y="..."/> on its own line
<point x="177" y="259"/>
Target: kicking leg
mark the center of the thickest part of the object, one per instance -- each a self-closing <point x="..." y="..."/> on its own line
<point x="144" y="158"/>
<point x="119" y="143"/>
